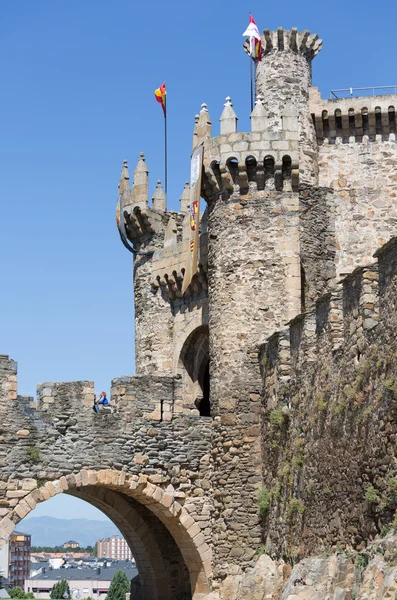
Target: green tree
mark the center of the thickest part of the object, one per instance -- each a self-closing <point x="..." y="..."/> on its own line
<point x="119" y="587"/>
<point x="60" y="589"/>
<point x="18" y="593"/>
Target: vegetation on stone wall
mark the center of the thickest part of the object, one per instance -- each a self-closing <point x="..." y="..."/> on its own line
<point x="330" y="440"/>
<point x="33" y="454"/>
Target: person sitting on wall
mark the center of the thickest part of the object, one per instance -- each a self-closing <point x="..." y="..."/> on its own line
<point x="102" y="400"/>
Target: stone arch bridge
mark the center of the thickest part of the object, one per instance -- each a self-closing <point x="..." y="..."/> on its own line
<point x="149" y="475"/>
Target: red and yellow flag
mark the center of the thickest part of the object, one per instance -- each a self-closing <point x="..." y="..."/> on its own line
<point x="161" y="96"/>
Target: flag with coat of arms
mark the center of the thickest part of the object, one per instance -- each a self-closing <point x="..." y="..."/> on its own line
<point x="255" y="40"/>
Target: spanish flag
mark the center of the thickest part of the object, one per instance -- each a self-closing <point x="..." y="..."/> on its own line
<point x="161" y="95"/>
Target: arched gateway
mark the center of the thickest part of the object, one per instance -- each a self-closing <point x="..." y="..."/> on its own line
<point x="171" y="556"/>
<point x="148" y="475"/>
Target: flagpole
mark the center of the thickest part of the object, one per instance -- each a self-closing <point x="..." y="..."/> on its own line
<point x="165" y="154"/>
<point x="251" y="89"/>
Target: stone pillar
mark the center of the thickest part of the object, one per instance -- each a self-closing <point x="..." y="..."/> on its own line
<point x="283" y="78"/>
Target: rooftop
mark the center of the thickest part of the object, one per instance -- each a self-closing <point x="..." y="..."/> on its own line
<point x="75" y="574"/>
<point x="364" y="91"/>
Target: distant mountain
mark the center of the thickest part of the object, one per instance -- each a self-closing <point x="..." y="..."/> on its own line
<point x="48" y="531"/>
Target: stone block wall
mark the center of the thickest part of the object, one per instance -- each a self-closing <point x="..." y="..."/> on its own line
<point x="61" y="445"/>
<point x="317" y="243"/>
<point x="329" y="419"/>
<point x="357" y="159"/>
<point x="69" y="435"/>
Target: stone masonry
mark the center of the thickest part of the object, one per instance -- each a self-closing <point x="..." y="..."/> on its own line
<point x="260" y="427"/>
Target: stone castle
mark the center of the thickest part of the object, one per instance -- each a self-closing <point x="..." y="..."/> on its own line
<point x="253" y="455"/>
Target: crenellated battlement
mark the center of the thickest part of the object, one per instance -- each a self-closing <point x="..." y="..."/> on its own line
<point x="261" y="159"/>
<point x="141" y="220"/>
<point x="60" y="405"/>
<point x="351" y="119"/>
<point x="166" y="233"/>
<point x="292" y="40"/>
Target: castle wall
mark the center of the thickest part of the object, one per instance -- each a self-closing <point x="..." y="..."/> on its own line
<point x="317" y="242"/>
<point x="63" y="436"/>
<point x="329" y="418"/>
<point x="357" y="159"/>
<point x="363" y="176"/>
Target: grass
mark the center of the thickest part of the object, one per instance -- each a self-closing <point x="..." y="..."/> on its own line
<point x="264" y="499"/>
<point x="371" y="495"/>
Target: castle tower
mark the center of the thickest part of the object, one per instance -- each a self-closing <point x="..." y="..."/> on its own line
<point x="252" y="188"/>
<point x="144" y="228"/>
<point x="251" y="183"/>
<point x="283" y="79"/>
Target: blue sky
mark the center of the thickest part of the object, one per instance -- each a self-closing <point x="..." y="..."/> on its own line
<point x="77" y="81"/>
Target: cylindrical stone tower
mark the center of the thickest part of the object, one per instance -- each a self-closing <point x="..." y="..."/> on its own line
<point x="145" y="229"/>
<point x="251" y="184"/>
<point x="283" y="78"/>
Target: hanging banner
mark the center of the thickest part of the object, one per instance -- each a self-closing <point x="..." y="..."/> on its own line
<point x="196" y="168"/>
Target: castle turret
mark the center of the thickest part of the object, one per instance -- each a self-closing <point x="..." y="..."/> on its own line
<point x="251" y="183"/>
<point x="283" y="78"/>
<point x="146" y="229"/>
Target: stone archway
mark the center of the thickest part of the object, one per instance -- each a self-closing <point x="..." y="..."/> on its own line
<point x="165" y="539"/>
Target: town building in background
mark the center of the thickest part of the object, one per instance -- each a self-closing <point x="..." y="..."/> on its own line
<point x="83" y="581"/>
<point x="71" y="544"/>
<point x="4" y="581"/>
<point x="18" y="558"/>
<point x="46" y="556"/>
<point x="114" y="547"/>
<point x="4" y="561"/>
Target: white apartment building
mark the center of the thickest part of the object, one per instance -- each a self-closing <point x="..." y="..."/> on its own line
<point x="114" y="547"/>
<point x="4" y="561"/>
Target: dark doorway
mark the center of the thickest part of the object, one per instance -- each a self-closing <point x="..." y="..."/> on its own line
<point x="205" y="407"/>
<point x="194" y="360"/>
